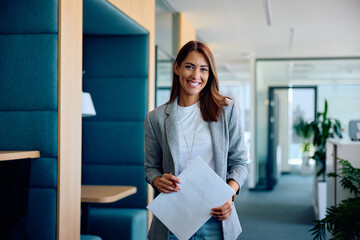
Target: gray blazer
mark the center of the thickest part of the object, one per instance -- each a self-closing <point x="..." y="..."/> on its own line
<point x="162" y="153"/>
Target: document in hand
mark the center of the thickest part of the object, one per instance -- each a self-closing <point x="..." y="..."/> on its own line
<point x="185" y="211"/>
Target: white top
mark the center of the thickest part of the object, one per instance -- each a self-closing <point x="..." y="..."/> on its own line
<point x="190" y="123"/>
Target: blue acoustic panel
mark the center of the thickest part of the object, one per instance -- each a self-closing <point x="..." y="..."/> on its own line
<point x="115" y="224"/>
<point x="101" y="17"/>
<point x="113" y="143"/>
<point x="43" y="173"/>
<point x="40" y="221"/>
<point x="23" y="16"/>
<point x="117" y="98"/>
<point x="118" y="175"/>
<point x="28" y="71"/>
<point x="29" y="130"/>
<point x="116" y="56"/>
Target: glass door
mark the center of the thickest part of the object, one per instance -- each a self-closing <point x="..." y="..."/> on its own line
<point x="286" y="106"/>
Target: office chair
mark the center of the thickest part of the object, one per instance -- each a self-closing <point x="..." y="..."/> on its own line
<point x="354" y="130"/>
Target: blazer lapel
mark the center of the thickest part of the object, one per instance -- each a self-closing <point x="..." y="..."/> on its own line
<point x="217" y="130"/>
<point x="171" y="128"/>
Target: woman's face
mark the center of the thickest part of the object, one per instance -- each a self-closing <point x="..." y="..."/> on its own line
<point x="193" y="75"/>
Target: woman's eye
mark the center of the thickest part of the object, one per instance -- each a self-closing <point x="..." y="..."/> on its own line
<point x="204" y="69"/>
<point x="189" y="67"/>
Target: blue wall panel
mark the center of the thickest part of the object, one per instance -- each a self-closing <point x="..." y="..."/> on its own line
<point x="118" y="98"/>
<point x="116" y="56"/>
<point x="113" y="142"/>
<point x="40" y="222"/>
<point x="28" y="72"/>
<point x="23" y="16"/>
<point x="29" y="102"/>
<point x="116" y="75"/>
<point x="24" y="130"/>
<point x="43" y="173"/>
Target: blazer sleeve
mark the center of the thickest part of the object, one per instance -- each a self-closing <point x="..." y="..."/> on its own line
<point x="153" y="152"/>
<point x="237" y="154"/>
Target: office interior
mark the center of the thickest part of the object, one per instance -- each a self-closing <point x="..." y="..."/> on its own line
<point x="72" y="171"/>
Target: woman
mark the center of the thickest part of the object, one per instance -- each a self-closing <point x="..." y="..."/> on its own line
<point x="197" y="121"/>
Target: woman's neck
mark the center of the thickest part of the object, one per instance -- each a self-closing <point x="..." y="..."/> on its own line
<point x="187" y="101"/>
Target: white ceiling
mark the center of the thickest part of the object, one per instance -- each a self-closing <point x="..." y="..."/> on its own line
<point x="237" y="30"/>
<point x="238" y="27"/>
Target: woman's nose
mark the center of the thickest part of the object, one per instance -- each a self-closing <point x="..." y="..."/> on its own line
<point x="196" y="74"/>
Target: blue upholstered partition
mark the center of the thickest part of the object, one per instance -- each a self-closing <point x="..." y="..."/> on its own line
<point x="28" y="101"/>
<point x="116" y="75"/>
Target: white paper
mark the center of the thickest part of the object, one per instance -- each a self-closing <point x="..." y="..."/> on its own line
<point x="185" y="211"/>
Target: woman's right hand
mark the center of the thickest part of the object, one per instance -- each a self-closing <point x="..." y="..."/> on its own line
<point x="167" y="183"/>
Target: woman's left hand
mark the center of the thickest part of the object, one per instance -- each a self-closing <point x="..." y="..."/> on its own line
<point x="223" y="212"/>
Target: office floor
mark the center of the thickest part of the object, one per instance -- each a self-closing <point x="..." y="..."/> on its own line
<point x="282" y="214"/>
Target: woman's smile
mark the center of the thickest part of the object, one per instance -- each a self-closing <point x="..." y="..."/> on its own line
<point x="193" y="84"/>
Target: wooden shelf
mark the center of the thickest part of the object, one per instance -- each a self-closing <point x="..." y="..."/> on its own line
<point x="14" y="155"/>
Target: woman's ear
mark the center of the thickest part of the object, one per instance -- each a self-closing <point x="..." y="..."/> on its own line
<point x="176" y="68"/>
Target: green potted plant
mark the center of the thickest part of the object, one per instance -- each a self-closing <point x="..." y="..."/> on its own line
<point x="303" y="130"/>
<point x="343" y="220"/>
<point x="320" y="130"/>
<point x="323" y="128"/>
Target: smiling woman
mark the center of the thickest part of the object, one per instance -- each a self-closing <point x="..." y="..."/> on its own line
<point x="197" y="121"/>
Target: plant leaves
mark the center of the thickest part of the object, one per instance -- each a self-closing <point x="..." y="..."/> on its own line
<point x="325" y="109"/>
<point x="343" y="220"/>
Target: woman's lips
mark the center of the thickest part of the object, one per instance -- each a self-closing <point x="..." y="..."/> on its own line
<point x="193" y="84"/>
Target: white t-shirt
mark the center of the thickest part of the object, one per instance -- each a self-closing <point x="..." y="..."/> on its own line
<point x="190" y="122"/>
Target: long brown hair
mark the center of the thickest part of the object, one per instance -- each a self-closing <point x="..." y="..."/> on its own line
<point x="211" y="101"/>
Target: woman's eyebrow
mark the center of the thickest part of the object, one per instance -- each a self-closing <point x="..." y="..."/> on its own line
<point x="194" y="64"/>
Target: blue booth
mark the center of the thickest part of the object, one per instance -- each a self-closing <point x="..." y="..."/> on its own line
<point x="115" y="61"/>
<point x="29" y="103"/>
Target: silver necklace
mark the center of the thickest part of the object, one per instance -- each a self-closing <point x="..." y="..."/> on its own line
<point x="187" y="162"/>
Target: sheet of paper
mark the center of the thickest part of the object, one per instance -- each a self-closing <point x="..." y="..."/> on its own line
<point x="185" y="211"/>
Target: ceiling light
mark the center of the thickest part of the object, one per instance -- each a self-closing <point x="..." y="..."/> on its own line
<point x="268" y="11"/>
<point x="291" y="38"/>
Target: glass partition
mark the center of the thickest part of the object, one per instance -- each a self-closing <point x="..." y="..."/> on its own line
<point x="165" y="39"/>
<point x="337" y="81"/>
